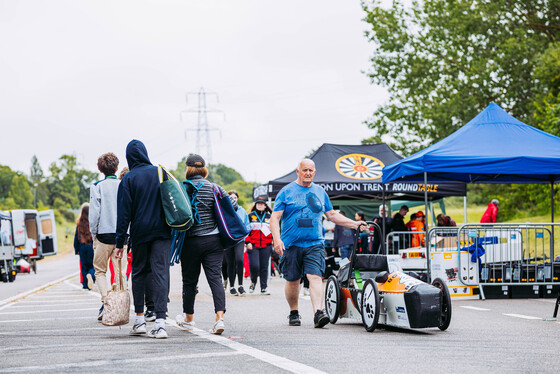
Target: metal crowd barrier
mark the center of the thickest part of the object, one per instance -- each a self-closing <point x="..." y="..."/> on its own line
<point x="517" y="258"/>
<point x="404" y="240"/>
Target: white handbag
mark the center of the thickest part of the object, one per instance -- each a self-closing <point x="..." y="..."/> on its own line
<point x="116" y="310"/>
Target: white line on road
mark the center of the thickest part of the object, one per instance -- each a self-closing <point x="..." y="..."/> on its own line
<point x="475" y="308"/>
<point x="551" y="301"/>
<point x="56" y="297"/>
<point x="52" y="330"/>
<point x="44" y="319"/>
<point x="29" y="304"/>
<point x="9" y="301"/>
<point x="35" y="304"/>
<point x="89" y="364"/>
<point x="521" y="316"/>
<point x="92" y="293"/>
<point x="50" y="311"/>
<point x="43" y="347"/>
<point x="278" y="361"/>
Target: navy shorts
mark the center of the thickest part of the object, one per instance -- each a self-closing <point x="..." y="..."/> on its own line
<point x="298" y="261"/>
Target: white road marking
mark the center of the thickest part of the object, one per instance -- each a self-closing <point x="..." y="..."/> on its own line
<point x="55" y="297"/>
<point x="35" y="348"/>
<point x="90" y="364"/>
<point x="238" y="348"/>
<point x="475" y="308"/>
<point x="29" y="304"/>
<point x="45" y="319"/>
<point x="91" y="293"/>
<point x="52" y="330"/>
<point x="278" y="361"/>
<point x="36" y="289"/>
<point x="50" y="311"/>
<point x="520" y="316"/>
<point x="551" y="301"/>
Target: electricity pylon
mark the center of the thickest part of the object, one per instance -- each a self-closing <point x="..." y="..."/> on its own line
<point x="202" y="128"/>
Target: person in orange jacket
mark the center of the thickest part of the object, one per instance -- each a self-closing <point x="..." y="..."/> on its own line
<point x="416" y="226"/>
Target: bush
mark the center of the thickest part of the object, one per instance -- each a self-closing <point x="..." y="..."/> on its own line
<point x="68" y="215"/>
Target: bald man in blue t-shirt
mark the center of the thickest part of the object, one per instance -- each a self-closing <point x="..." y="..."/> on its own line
<point x="300" y="205"/>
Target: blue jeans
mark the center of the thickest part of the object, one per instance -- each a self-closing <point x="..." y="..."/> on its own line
<point x="345" y="251"/>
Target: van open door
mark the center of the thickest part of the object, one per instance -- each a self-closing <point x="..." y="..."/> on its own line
<point x="47" y="245"/>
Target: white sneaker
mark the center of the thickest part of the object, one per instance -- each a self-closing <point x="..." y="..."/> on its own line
<point x="182" y="324"/>
<point x="218" y="327"/>
<point x="138" y="329"/>
<point x="89" y="281"/>
<point x="305" y="291"/>
<point x="158" y="333"/>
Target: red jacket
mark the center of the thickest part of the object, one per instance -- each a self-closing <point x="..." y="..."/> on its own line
<point x="490" y="214"/>
<point x="260" y="235"/>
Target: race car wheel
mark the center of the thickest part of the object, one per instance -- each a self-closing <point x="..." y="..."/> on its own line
<point x="445" y="304"/>
<point x="371" y="304"/>
<point x="332" y="299"/>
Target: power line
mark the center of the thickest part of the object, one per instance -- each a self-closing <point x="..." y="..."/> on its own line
<point x="202" y="128"/>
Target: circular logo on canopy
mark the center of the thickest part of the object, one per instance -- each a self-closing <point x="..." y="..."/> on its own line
<point x="359" y="166"/>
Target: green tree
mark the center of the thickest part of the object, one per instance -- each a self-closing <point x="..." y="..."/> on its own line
<point x="68" y="184"/>
<point x="222" y="174"/>
<point x="20" y="193"/>
<point x="179" y="171"/>
<point x="36" y="173"/>
<point x="443" y="61"/>
<point x="6" y="176"/>
<point x="245" y="191"/>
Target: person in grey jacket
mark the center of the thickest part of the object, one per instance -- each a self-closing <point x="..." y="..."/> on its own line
<point x="103" y="223"/>
<point x="202" y="247"/>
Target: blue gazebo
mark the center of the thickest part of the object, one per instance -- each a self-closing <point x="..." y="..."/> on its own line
<point x="493" y="147"/>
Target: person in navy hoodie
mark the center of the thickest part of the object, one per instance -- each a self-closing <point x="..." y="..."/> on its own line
<point x="139" y="205"/>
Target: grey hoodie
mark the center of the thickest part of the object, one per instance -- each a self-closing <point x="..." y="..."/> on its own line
<point x="103" y="207"/>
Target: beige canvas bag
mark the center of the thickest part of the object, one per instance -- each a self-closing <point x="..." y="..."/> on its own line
<point x="117" y="303"/>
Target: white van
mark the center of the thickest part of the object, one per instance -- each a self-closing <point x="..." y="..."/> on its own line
<point x="27" y="234"/>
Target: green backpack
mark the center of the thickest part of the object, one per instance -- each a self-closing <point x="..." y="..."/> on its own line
<point x="175" y="201"/>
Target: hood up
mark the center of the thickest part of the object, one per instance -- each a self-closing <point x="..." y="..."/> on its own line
<point x="136" y="154"/>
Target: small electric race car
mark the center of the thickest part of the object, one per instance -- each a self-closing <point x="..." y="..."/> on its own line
<point x="366" y="290"/>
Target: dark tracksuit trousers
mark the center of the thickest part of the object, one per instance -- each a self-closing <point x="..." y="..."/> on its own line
<point x="86" y="262"/>
<point x="206" y="251"/>
<point x="234" y="259"/>
<point x="152" y="256"/>
<point x="259" y="258"/>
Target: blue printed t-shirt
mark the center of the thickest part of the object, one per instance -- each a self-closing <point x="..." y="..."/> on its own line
<point x="303" y="209"/>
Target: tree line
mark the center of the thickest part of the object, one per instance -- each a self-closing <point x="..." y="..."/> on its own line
<point x="66" y="185"/>
<point x="444" y="61"/>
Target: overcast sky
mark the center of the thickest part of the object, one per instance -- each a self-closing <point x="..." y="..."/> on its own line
<point x="86" y="77"/>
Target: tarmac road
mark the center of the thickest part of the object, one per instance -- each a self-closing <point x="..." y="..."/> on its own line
<point x="54" y="329"/>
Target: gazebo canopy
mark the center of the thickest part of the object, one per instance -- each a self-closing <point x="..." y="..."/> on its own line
<point x="493" y="147"/>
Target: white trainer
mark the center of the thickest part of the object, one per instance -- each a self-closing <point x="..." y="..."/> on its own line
<point x="218" y="327"/>
<point x="89" y="281"/>
<point x="158" y="333"/>
<point x="182" y="324"/>
<point x="138" y="329"/>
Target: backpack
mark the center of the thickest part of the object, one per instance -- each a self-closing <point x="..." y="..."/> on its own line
<point x="175" y="201"/>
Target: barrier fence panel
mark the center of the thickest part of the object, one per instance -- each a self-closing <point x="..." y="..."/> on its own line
<point x="520" y="258"/>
